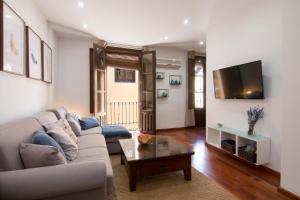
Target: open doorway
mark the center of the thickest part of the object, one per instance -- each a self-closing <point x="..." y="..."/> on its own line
<point x="122" y="87"/>
<point x="122" y="97"/>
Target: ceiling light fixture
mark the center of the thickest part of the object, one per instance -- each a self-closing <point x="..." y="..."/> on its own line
<point x="80" y="4"/>
<point x="201" y="43"/>
<point x="84" y="25"/>
<point x="166" y="37"/>
<point x="186" y="21"/>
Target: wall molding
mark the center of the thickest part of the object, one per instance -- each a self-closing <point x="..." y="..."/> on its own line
<point x="287" y="193"/>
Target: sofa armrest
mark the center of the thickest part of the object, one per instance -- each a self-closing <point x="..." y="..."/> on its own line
<point x="52" y="181"/>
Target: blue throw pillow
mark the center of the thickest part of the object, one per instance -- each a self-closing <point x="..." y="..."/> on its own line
<point x="42" y="138"/>
<point x="88" y="123"/>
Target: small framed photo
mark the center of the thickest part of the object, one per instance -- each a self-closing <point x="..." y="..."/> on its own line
<point x="162" y="93"/>
<point x="175" y="80"/>
<point x="160" y="75"/>
<point x="34" y="54"/>
<point x="46" y="63"/>
<point x="13" y="29"/>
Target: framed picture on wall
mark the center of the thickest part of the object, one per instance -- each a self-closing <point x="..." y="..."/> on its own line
<point x="46" y="63"/>
<point x="13" y="29"/>
<point x="175" y="80"/>
<point x="162" y="93"/>
<point x="34" y="54"/>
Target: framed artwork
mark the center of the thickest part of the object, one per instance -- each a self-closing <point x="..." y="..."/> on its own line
<point x="13" y="28"/>
<point x="175" y="80"/>
<point x="46" y="63"/>
<point x="162" y="93"/>
<point x="34" y="54"/>
<point x="160" y="75"/>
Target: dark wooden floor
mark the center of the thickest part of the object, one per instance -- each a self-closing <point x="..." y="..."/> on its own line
<point x="240" y="178"/>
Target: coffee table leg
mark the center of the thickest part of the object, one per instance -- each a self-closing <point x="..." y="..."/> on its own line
<point x="122" y="161"/>
<point x="188" y="170"/>
<point x="132" y="177"/>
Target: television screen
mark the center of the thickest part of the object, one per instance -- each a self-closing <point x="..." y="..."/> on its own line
<point x="239" y="82"/>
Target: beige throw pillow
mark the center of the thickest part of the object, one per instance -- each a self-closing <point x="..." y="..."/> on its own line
<point x="68" y="145"/>
<point x="64" y="124"/>
<point x="34" y="155"/>
<point x="74" y="123"/>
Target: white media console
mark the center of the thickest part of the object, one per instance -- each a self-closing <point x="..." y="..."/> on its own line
<point x="215" y="135"/>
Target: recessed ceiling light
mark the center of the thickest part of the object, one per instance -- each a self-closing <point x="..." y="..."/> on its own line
<point x="8" y="16"/>
<point x="166" y="37"/>
<point x="80" y="4"/>
<point x="201" y="43"/>
<point x="186" y="21"/>
<point x="84" y="25"/>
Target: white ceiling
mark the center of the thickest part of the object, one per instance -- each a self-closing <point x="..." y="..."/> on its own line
<point x="135" y="22"/>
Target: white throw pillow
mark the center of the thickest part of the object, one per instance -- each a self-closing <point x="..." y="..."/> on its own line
<point x="68" y="145"/>
<point x="74" y="123"/>
<point x="64" y="124"/>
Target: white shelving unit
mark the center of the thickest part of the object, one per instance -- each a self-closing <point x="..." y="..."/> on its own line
<point x="215" y="135"/>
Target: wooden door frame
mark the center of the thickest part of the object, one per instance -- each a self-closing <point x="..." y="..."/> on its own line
<point x="203" y="59"/>
<point x="153" y="52"/>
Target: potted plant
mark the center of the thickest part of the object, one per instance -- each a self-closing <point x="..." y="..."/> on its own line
<point x="254" y="114"/>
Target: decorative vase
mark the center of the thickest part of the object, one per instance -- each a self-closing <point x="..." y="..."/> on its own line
<point x="251" y="129"/>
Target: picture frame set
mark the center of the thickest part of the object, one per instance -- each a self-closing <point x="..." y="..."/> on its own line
<point x="24" y="51"/>
<point x="162" y="93"/>
<point x="175" y="80"/>
<point x="160" y="75"/>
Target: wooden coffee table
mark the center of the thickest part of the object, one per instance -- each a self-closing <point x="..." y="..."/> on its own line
<point x="164" y="154"/>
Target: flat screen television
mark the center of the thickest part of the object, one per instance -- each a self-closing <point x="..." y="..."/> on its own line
<point x="243" y="81"/>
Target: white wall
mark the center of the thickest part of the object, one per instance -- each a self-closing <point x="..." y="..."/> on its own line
<point x="72" y="87"/>
<point x="171" y="111"/>
<point x="290" y="163"/>
<point x="19" y="95"/>
<point x="120" y="91"/>
<point x="239" y="32"/>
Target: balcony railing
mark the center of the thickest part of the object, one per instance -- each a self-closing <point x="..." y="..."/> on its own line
<point x="123" y="113"/>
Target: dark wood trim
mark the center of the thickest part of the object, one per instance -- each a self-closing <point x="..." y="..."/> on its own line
<point x="2" y="38"/>
<point x="287" y="193"/>
<point x="42" y="60"/>
<point x="92" y="85"/>
<point x="253" y="166"/>
<point x="120" y="63"/>
<point x="27" y="53"/>
<point x="126" y="51"/>
<point x="173" y="129"/>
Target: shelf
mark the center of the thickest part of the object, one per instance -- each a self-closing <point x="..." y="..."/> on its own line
<point x="255" y="137"/>
<point x="215" y="135"/>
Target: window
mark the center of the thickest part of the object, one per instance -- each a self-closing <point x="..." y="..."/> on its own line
<point x="124" y="75"/>
<point x="199" y="85"/>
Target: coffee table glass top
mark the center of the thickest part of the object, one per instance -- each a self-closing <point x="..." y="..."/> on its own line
<point x="161" y="146"/>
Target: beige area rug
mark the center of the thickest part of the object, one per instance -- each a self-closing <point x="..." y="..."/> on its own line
<point x="169" y="186"/>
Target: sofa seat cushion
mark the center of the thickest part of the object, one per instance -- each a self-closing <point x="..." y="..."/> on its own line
<point x="90" y="141"/>
<point x="115" y="131"/>
<point x="97" y="154"/>
<point x="96" y="130"/>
